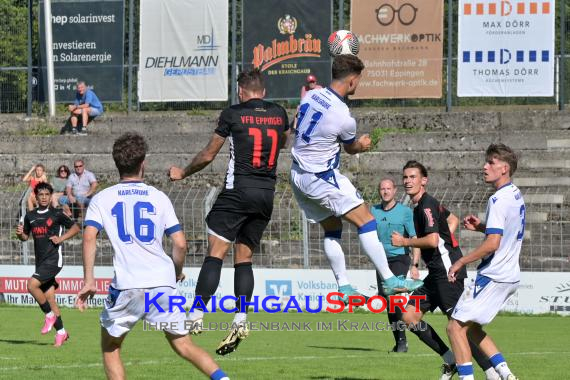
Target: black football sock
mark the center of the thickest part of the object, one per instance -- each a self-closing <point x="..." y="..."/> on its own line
<point x="480" y="357"/>
<point x="208" y="279"/>
<point x="399" y="329"/>
<point x="429" y="337"/>
<point x="46" y="308"/>
<point x="243" y="283"/>
<point x="58" y="323"/>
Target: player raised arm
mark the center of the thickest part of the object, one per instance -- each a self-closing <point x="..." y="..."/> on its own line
<point x="200" y="161"/>
<point x="89" y="250"/>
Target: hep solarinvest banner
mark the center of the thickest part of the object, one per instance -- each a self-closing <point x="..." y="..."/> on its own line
<point x="538" y="292"/>
<point x="506" y="48"/>
<point x="401" y="45"/>
<point x="88" y="45"/>
<point x="183" y="50"/>
<point x="287" y="40"/>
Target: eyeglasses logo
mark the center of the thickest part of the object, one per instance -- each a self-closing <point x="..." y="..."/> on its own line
<point x="386" y="14"/>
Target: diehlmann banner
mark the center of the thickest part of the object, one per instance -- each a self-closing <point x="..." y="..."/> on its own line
<point x="287" y="40"/>
<point x="183" y="50"/>
<point x="87" y="45"/>
<point x="506" y="48"/>
<point x="401" y="45"/>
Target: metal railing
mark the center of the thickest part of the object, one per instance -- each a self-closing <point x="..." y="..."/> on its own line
<point x="290" y="242"/>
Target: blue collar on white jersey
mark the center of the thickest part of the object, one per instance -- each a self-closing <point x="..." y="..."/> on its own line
<point x="505" y="185"/>
<point x="335" y="93"/>
<point x="130" y="182"/>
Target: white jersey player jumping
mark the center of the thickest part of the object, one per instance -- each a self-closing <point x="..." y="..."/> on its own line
<point x="323" y="193"/>
<point x="135" y="217"/>
<point x="498" y="275"/>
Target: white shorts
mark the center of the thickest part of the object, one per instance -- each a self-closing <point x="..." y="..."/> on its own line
<point x="321" y="195"/>
<point x="481" y="301"/>
<point x="124" y="308"/>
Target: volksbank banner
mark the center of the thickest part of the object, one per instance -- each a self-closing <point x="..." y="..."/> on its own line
<point x="538" y="292"/>
<point x="87" y="45"/>
<point x="183" y="50"/>
<point x="506" y="48"/>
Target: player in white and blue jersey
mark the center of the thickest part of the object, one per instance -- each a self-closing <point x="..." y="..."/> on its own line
<point x="498" y="275"/>
<point x="323" y="193"/>
<point x="135" y="217"/>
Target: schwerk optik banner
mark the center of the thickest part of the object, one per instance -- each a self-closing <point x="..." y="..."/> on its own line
<point x="401" y="45"/>
<point x="87" y="45"/>
<point x="183" y="50"/>
<point x="287" y="40"/>
<point x="506" y="48"/>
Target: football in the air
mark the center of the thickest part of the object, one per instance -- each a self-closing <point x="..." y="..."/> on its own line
<point x="343" y="42"/>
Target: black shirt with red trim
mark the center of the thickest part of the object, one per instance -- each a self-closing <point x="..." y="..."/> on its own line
<point x="255" y="129"/>
<point x="431" y="217"/>
<point x="44" y="224"/>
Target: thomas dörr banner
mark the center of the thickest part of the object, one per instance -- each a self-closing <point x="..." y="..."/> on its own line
<point x="183" y="50"/>
<point x="506" y="48"/>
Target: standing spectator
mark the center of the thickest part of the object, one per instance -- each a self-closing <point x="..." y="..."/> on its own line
<point x="34" y="176"/>
<point x="79" y="189"/>
<point x="59" y="182"/>
<point x="392" y="216"/>
<point x="87" y="105"/>
<point x="310" y="84"/>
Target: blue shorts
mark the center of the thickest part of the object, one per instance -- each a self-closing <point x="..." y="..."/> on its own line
<point x="94" y="112"/>
<point x="64" y="200"/>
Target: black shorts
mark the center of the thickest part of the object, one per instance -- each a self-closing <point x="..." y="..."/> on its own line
<point x="45" y="273"/>
<point x="439" y="293"/>
<point x="399" y="265"/>
<point x="241" y="215"/>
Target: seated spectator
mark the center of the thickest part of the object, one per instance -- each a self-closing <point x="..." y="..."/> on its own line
<point x="80" y="187"/>
<point x="310" y="84"/>
<point x="87" y="106"/>
<point x="59" y="182"/>
<point x="34" y="176"/>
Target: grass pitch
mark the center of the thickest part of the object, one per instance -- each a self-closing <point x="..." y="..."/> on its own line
<point x="534" y="346"/>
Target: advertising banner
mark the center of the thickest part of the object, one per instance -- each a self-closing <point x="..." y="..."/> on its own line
<point x="183" y="50"/>
<point x="287" y="40"/>
<point x="401" y="45"/>
<point x="88" y="45"/>
<point x="539" y="292"/>
<point x="506" y="48"/>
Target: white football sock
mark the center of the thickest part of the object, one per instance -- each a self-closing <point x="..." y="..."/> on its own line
<point x="334" y="253"/>
<point x="375" y="251"/>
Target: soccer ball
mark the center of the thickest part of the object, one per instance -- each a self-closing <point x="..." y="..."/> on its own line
<point x="343" y="42"/>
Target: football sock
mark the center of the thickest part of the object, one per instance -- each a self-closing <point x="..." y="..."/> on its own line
<point x="498" y="361"/>
<point x="448" y="357"/>
<point x="465" y="371"/>
<point x="433" y="341"/>
<point x="219" y="375"/>
<point x="239" y="318"/>
<point x="491" y="374"/>
<point x="374" y="250"/>
<point x="46" y="308"/>
<point x="480" y="358"/>
<point x="394" y="318"/>
<point x="61" y="331"/>
<point x="335" y="255"/>
<point x="58" y="324"/>
<point x="208" y="279"/>
<point x="243" y="284"/>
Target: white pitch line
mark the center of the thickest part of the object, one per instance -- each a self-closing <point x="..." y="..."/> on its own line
<point x="255" y="358"/>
